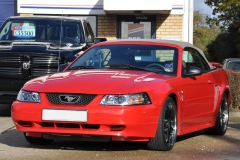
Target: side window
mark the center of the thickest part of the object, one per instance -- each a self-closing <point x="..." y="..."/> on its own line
<point x="89" y="38"/>
<point x="90" y="31"/>
<point x="192" y="57"/>
<point x="6" y="32"/>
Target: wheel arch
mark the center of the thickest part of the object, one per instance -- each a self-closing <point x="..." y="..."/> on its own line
<point x="174" y="97"/>
<point x="177" y="102"/>
<point x="227" y="91"/>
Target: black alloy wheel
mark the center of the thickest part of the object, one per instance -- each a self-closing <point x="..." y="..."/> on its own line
<point x="166" y="134"/>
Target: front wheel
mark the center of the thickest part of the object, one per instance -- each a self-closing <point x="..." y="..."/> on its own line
<point x="221" y="124"/>
<point x="37" y="140"/>
<point x="166" y="134"/>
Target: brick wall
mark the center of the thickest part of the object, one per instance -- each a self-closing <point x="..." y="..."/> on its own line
<point x="165" y="55"/>
<point x="166" y="25"/>
<point x="107" y="26"/>
<point x="169" y="25"/>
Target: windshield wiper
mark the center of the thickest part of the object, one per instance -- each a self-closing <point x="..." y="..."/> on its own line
<point x="130" y="67"/>
<point x="81" y="67"/>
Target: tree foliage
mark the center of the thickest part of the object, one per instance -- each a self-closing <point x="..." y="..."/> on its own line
<point x="226" y="12"/>
<point x="222" y="47"/>
<point x="227" y="16"/>
<point x="203" y="34"/>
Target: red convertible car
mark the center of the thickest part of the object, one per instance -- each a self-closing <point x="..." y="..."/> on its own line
<point x="126" y="90"/>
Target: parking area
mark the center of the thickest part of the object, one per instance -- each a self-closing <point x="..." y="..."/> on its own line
<point x="5" y="118"/>
<point x="191" y="146"/>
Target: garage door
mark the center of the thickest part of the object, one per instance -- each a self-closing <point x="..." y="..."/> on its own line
<point x="7" y="9"/>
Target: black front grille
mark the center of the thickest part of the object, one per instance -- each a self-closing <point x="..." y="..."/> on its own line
<point x="41" y="72"/>
<point x="10" y="59"/>
<point x="84" y="99"/>
<point x="10" y="70"/>
<point x="11" y="65"/>
<point x="40" y="64"/>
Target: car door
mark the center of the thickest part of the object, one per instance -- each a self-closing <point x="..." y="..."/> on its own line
<point x="197" y="92"/>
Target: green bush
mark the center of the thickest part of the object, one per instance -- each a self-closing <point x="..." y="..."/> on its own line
<point x="234" y="82"/>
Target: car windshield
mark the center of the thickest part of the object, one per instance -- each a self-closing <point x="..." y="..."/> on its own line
<point x="41" y="30"/>
<point x="153" y="58"/>
<point x="234" y="65"/>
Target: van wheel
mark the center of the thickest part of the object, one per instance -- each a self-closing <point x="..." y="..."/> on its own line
<point x="221" y="124"/>
<point x="37" y="140"/>
<point x="166" y="134"/>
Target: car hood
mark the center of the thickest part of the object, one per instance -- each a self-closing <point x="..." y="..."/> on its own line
<point x="66" y="50"/>
<point x="18" y="45"/>
<point x="94" y="81"/>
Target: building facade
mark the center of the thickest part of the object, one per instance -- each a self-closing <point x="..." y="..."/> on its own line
<point x="114" y="19"/>
<point x="7" y="8"/>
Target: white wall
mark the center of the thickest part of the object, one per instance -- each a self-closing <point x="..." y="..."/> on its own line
<point x="188" y="21"/>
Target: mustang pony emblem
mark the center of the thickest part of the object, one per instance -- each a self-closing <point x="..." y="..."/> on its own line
<point x="69" y="98"/>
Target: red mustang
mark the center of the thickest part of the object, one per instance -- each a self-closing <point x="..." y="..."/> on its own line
<point x="126" y="90"/>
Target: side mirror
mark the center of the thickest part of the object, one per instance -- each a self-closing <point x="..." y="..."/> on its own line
<point x="62" y="67"/>
<point x="99" y="39"/>
<point x="193" y="71"/>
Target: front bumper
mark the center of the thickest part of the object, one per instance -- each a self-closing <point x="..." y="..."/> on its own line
<point x="121" y="123"/>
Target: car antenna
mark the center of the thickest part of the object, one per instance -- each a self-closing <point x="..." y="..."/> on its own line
<point x="60" y="43"/>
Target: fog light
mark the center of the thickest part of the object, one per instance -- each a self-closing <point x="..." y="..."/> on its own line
<point x="25" y="123"/>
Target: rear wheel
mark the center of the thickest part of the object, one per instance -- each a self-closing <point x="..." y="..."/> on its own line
<point x="221" y="124"/>
<point x="166" y="134"/>
<point x="37" y="140"/>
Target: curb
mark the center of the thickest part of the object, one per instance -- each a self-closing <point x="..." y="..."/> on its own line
<point x="234" y="114"/>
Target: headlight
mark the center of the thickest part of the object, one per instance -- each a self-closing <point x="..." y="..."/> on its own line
<point x="129" y="99"/>
<point x="28" y="96"/>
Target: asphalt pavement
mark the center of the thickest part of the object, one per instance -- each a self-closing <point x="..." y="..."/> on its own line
<point x="6" y="122"/>
<point x="197" y="146"/>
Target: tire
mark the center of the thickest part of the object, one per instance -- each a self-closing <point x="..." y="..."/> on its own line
<point x="221" y="124"/>
<point x="166" y="134"/>
<point x="37" y="140"/>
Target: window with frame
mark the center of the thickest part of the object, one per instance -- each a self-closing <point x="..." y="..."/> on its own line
<point x="160" y="59"/>
<point x="88" y="32"/>
<point x="92" y="21"/>
<point x="192" y="57"/>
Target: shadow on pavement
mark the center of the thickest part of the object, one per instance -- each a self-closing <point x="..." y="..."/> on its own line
<point x="189" y="135"/>
<point x="16" y="139"/>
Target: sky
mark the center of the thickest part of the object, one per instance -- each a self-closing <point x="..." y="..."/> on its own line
<point x="200" y="5"/>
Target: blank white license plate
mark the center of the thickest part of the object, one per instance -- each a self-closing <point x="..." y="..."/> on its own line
<point x="64" y="115"/>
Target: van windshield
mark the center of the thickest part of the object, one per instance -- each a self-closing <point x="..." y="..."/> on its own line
<point x="41" y="30"/>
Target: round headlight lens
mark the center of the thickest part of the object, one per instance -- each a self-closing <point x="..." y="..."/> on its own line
<point x="130" y="99"/>
<point x="26" y="96"/>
